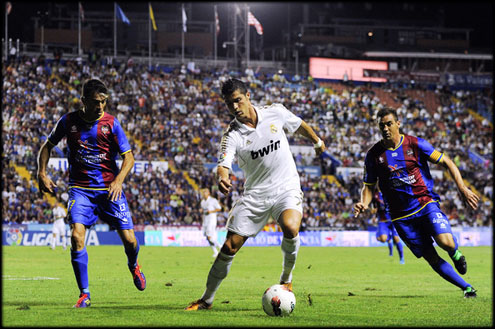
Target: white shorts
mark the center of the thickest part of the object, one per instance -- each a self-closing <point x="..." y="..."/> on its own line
<point x="251" y="212"/>
<point x="209" y="227"/>
<point x="59" y="227"/>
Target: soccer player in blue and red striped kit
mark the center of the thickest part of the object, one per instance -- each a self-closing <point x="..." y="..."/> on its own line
<point x="399" y="164"/>
<point x="94" y="140"/>
<point x="386" y="231"/>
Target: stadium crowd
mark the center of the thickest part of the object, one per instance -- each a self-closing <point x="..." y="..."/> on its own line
<point x="178" y="116"/>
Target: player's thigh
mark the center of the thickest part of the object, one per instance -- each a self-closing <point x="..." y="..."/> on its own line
<point x="82" y="207"/>
<point x="290" y="222"/>
<point x="210" y="228"/>
<point x="382" y="232"/>
<point x="414" y="234"/>
<point x="78" y="233"/>
<point x="233" y="243"/>
<point x="248" y="216"/>
<point x="59" y="231"/>
<point x="115" y="213"/>
<point x="440" y="229"/>
<point x="288" y="211"/>
<point x="128" y="237"/>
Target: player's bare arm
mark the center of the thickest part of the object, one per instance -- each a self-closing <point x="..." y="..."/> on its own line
<point x="468" y="196"/>
<point x="115" y="187"/>
<point x="44" y="181"/>
<point x="308" y="132"/>
<point x="224" y="183"/>
<point x="366" y="197"/>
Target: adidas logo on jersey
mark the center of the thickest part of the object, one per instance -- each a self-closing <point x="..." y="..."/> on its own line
<point x="265" y="150"/>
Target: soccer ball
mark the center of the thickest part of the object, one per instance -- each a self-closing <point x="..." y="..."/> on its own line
<point x="278" y="301"/>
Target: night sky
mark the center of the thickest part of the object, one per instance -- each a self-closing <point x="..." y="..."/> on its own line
<point x="276" y="16"/>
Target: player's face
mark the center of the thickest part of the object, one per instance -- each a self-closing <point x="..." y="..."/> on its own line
<point x="239" y="105"/>
<point x="389" y="127"/>
<point x="94" y="106"/>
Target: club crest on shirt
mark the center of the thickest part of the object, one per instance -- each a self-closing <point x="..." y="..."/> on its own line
<point x="73" y="129"/>
<point x="105" y="129"/>
<point x="380" y="159"/>
<point x="273" y="129"/>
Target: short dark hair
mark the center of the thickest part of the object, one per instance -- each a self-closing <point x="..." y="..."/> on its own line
<point x="93" y="85"/>
<point x="232" y="85"/>
<point x="386" y="111"/>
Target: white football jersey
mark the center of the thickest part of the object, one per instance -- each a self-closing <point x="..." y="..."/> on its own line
<point x="59" y="213"/>
<point x="209" y="205"/>
<point x="263" y="152"/>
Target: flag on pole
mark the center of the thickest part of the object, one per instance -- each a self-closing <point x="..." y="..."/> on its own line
<point x="8" y="7"/>
<point x="152" y="17"/>
<point x="217" y="21"/>
<point x="253" y="21"/>
<point x="184" y="20"/>
<point x="122" y="16"/>
<point x="81" y="11"/>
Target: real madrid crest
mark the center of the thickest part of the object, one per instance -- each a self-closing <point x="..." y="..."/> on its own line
<point x="273" y="129"/>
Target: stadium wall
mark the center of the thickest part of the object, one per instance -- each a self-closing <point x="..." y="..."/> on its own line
<point x="40" y="235"/>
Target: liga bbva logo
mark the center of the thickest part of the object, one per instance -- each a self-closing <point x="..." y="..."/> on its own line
<point x="13" y="237"/>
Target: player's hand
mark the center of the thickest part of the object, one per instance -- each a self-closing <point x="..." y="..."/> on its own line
<point x="114" y="191"/>
<point x="470" y="198"/>
<point x="46" y="185"/>
<point x="224" y="185"/>
<point x="359" y="208"/>
<point x="321" y="149"/>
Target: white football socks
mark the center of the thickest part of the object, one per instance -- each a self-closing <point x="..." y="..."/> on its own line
<point x="218" y="272"/>
<point x="290" y="247"/>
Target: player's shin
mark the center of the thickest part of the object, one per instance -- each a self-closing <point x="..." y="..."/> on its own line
<point x="132" y="255"/>
<point x="79" y="261"/>
<point x="446" y="271"/>
<point x="290" y="248"/>
<point x="218" y="272"/>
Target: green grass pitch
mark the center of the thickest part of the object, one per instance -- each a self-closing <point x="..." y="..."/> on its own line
<point x="334" y="286"/>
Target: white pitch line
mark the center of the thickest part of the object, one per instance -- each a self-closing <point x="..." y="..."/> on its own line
<point x="11" y="277"/>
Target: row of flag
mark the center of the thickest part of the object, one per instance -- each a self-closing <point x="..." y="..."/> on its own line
<point x="252" y="21"/>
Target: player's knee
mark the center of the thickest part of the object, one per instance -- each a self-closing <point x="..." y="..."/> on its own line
<point x="431" y="256"/>
<point x="77" y="241"/>
<point x="445" y="242"/>
<point x="290" y="230"/>
<point x="291" y="234"/>
<point x="229" y="249"/>
<point x="382" y="238"/>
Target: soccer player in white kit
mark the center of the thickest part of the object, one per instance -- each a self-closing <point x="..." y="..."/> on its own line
<point x="58" y="227"/>
<point x="256" y="137"/>
<point x="210" y="207"/>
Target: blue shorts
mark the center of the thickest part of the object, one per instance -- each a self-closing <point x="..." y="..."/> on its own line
<point x="85" y="206"/>
<point x="417" y="230"/>
<point x="386" y="228"/>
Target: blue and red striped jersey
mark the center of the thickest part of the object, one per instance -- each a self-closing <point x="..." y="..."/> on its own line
<point x="93" y="148"/>
<point x="403" y="174"/>
<point x="381" y="208"/>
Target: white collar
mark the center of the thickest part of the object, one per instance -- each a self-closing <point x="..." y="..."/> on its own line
<point x="244" y="129"/>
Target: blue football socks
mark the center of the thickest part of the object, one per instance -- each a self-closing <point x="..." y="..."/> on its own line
<point x="390" y="247"/>
<point x="132" y="255"/>
<point x="447" y="272"/>
<point x="400" y="249"/>
<point x="79" y="260"/>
